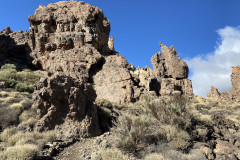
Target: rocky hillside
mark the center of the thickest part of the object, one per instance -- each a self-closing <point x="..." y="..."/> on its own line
<point x="87" y="89"/>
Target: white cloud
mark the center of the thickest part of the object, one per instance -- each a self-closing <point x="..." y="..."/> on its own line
<point x="215" y="68"/>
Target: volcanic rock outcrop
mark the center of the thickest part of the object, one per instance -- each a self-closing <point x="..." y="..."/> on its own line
<point x="171" y="72"/>
<point x="234" y="94"/>
<point x="14" y="48"/>
<point x="235" y="77"/>
<point x="70" y="42"/>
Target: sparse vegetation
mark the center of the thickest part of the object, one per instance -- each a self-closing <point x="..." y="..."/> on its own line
<point x="155" y="156"/>
<point x="23" y="145"/>
<point x="153" y="122"/>
<point x="22" y="81"/>
<point x="109" y="154"/>
<point x="23" y="152"/>
<point x="16" y="105"/>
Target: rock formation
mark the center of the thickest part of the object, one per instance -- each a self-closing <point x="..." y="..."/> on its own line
<point x="14" y="48"/>
<point x="234" y="94"/>
<point x="171" y="72"/>
<point x="214" y="92"/>
<point x="70" y="42"/>
<point x="235" y="76"/>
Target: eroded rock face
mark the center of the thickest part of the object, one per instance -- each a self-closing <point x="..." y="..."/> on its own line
<point x="235" y="76"/>
<point x="168" y="65"/>
<point x="68" y="40"/>
<point x="113" y="81"/>
<point x="14" y="48"/>
<point x="67" y="25"/>
<point x="171" y="72"/>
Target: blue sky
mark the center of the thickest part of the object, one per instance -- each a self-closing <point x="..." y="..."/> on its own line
<point x="192" y="26"/>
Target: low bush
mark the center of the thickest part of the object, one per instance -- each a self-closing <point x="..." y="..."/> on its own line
<point x="22" y="81"/>
<point x="30" y="142"/>
<point x="148" y="124"/>
<point x="109" y="154"/>
<point x="106" y="114"/>
<point x="23" y="152"/>
<point x="7" y="133"/>
<point x="132" y="133"/>
<point x="13" y="109"/>
<point x="155" y="156"/>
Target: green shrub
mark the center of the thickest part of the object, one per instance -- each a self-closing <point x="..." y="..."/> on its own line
<point x="8" y="67"/>
<point x="171" y="111"/>
<point x="11" y="118"/>
<point x="132" y="132"/>
<point x="21" y="81"/>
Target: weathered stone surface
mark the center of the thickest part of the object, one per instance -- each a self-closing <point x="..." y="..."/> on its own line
<point x="62" y="100"/>
<point x="168" y="65"/>
<point x="145" y="75"/>
<point x="214" y="92"/>
<point x="66" y="25"/>
<point x="68" y="40"/>
<point x="113" y="81"/>
<point x="171" y="72"/>
<point x="235" y="76"/>
<point x="234" y="94"/>
<point x="14" y="48"/>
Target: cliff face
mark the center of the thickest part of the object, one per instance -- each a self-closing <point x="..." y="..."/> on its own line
<point x="70" y="42"/>
<point x="14" y="48"/>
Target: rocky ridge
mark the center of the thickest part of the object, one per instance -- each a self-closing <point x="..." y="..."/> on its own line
<point x="81" y="65"/>
<point x="70" y="42"/>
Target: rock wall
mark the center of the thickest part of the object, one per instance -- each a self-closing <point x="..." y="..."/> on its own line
<point x="14" y="48"/>
<point x="68" y="40"/>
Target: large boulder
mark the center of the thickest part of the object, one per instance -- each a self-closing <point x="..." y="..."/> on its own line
<point x="114" y="81"/>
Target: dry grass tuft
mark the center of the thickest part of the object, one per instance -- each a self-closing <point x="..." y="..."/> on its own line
<point x="23" y="152"/>
<point x="22" y="81"/>
<point x="155" y="156"/>
<point x="109" y="154"/>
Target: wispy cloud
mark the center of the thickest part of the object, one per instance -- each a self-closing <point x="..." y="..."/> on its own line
<point x="215" y="68"/>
